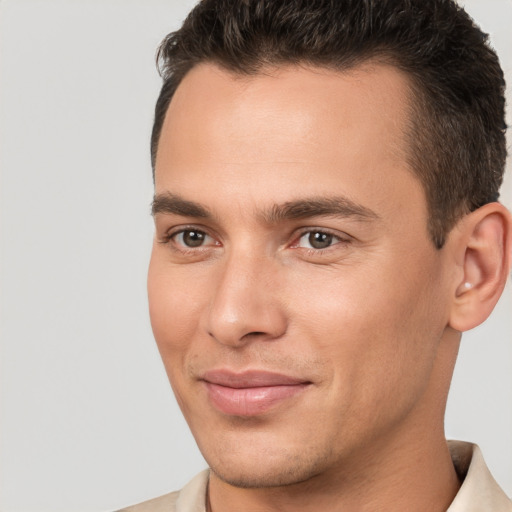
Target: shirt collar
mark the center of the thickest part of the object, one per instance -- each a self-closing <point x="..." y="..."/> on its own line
<point x="479" y="490"/>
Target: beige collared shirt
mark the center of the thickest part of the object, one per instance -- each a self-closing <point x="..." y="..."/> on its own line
<point x="479" y="491"/>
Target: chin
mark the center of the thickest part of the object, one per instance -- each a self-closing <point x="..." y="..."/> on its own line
<point x="257" y="479"/>
<point x="265" y="470"/>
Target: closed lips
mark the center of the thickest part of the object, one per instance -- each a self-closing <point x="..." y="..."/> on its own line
<point x="250" y="393"/>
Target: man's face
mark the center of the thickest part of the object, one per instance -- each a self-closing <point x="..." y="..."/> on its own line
<point x="295" y="295"/>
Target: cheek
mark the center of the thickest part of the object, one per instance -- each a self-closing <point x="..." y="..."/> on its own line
<point x="174" y="305"/>
<point x="173" y="308"/>
<point x="378" y="334"/>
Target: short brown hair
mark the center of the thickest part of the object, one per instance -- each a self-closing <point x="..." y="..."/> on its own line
<point x="457" y="133"/>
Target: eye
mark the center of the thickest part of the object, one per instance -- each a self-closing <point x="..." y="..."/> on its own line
<point x="192" y="238"/>
<point x="317" y="240"/>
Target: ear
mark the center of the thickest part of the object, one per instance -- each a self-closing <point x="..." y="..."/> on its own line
<point x="484" y="253"/>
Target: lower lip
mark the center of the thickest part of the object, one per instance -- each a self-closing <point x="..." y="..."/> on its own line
<point x="250" y="401"/>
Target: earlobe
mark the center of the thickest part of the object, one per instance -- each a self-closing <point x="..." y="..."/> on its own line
<point x="485" y="242"/>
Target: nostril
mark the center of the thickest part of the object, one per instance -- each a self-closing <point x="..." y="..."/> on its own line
<point x="254" y="334"/>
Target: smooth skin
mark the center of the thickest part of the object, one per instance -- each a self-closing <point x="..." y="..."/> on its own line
<point x="254" y="269"/>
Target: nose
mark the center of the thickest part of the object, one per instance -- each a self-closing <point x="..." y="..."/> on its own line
<point x="245" y="305"/>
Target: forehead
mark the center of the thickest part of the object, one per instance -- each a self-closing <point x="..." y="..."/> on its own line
<point x="286" y="129"/>
<point x="290" y="97"/>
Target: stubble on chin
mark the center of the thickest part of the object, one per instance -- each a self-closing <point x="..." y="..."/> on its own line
<point x="287" y="470"/>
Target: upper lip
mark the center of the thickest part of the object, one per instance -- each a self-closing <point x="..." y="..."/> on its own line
<point x="250" y="379"/>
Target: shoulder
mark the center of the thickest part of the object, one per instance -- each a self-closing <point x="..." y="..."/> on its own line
<point x="165" y="503"/>
<point x="190" y="498"/>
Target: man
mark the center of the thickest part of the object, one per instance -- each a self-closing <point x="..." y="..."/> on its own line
<point x="327" y="225"/>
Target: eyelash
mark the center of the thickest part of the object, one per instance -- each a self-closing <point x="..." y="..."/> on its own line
<point x="337" y="239"/>
<point x="173" y="234"/>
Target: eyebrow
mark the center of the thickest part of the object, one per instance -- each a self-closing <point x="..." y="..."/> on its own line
<point x="319" y="206"/>
<point x="339" y="206"/>
<point x="173" y="204"/>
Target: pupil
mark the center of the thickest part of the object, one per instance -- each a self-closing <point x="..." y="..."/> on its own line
<point x="320" y="240"/>
<point x="193" y="238"/>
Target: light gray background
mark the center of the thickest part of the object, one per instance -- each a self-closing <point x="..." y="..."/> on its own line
<point x="88" y="421"/>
